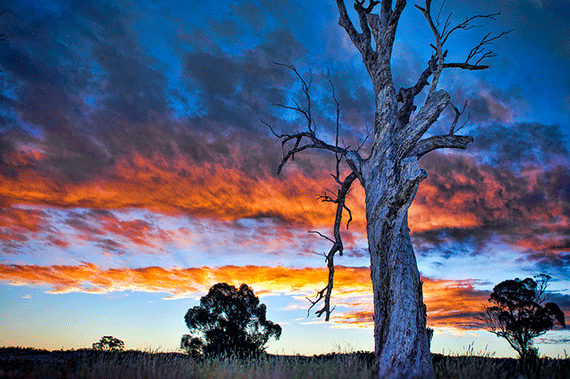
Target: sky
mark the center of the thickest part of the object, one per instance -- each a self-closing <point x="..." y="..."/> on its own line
<point x="136" y="169"/>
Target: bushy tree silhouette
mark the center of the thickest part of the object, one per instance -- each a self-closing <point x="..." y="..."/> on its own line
<point x="109" y="343"/>
<point x="228" y="321"/>
<point x="519" y="313"/>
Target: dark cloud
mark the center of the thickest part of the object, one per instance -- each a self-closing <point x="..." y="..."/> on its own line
<point x="449" y="242"/>
<point x="82" y="226"/>
<point x="524" y="144"/>
<point x="45" y="78"/>
<point x="491" y="105"/>
<point x="109" y="245"/>
<point x="87" y="78"/>
<point x="89" y="96"/>
<point x="84" y="75"/>
<point x="556" y="184"/>
<point x="235" y="91"/>
<point x="549" y="259"/>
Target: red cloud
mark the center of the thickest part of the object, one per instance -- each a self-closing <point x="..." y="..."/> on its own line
<point x="23" y="219"/>
<point x="459" y="193"/>
<point x="180" y="186"/>
<point x="16" y="223"/>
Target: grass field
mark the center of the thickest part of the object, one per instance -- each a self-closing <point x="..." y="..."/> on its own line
<point x="43" y="364"/>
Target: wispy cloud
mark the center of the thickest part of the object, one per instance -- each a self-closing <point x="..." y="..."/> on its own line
<point x="450" y="303"/>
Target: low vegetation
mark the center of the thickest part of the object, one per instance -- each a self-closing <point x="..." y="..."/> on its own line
<point x="109" y="343"/>
<point x="88" y="363"/>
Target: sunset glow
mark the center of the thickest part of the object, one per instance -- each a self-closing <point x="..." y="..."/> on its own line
<point x="137" y="169"/>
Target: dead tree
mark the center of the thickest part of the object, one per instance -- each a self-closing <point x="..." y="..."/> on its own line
<point x="390" y="174"/>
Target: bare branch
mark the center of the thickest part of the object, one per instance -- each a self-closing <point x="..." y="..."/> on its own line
<point x="362" y="142"/>
<point x="337" y="155"/>
<point x="306" y="91"/>
<point x="456" y="117"/>
<point x="2" y="35"/>
<point x="361" y="41"/>
<point x="398" y="9"/>
<point x="465" y="25"/>
<point x="337" y="247"/>
<point x="338" y="108"/>
<point x="314" y="144"/>
<point x="480" y="48"/>
<point x="322" y="235"/>
<point x="270" y="128"/>
<point x="307" y="140"/>
<point x="438" y="46"/>
<point x="363" y="13"/>
<point x="382" y="27"/>
<point x="344" y="21"/>
<point x="437" y="63"/>
<point x="439" y="15"/>
<point x="466" y="66"/>
<point x="295" y="108"/>
<point x="349" y="216"/>
<point x="406" y="96"/>
<point x="439" y="142"/>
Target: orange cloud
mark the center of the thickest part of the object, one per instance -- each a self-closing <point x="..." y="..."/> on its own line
<point x="25" y="154"/>
<point x="219" y="191"/>
<point x="179" y="185"/>
<point x="90" y="278"/>
<point x="450" y="303"/>
<point x="137" y="231"/>
<point x="58" y="242"/>
<point x="453" y="301"/>
<point x="459" y="193"/>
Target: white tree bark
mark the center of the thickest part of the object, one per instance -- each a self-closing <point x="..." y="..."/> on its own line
<point x="390" y="176"/>
<point x="400" y="334"/>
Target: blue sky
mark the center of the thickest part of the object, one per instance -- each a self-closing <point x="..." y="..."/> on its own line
<point x="135" y="171"/>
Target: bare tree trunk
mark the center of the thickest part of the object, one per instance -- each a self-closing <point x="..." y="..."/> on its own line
<point x="400" y="334"/>
<point x="390" y="175"/>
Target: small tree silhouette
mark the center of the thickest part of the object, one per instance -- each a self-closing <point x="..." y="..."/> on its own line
<point x="194" y="346"/>
<point x="519" y="314"/>
<point x="109" y="343"/>
<point x="229" y="322"/>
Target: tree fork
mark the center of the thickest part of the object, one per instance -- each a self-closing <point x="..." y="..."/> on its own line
<point x="390" y="174"/>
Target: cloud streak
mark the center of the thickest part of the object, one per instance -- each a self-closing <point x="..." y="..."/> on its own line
<point x="450" y="303"/>
<point x="181" y="186"/>
<point x="461" y="201"/>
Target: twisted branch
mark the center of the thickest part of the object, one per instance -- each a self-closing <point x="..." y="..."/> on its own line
<point x="308" y="139"/>
<point x="337" y="247"/>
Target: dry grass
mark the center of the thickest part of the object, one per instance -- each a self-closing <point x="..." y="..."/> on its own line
<point x="87" y="364"/>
